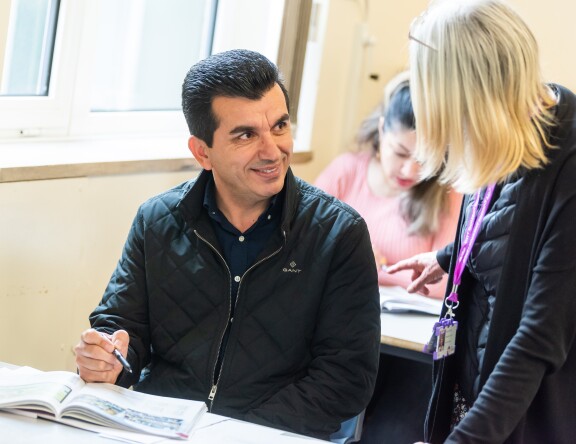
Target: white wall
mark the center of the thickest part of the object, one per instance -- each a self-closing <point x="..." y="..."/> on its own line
<point x="60" y="239"/>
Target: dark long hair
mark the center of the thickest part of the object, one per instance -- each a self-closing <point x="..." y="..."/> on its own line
<point x="423" y="204"/>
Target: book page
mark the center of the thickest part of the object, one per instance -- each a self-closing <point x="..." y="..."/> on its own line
<point x="43" y="391"/>
<point x="395" y="299"/>
<point x="114" y="406"/>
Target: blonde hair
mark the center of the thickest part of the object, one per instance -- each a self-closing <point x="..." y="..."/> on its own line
<point x="422" y="205"/>
<point x="481" y="107"/>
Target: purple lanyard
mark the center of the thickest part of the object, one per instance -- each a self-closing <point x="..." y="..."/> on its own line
<point x="470" y="234"/>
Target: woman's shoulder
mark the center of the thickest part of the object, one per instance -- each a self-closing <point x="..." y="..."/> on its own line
<point x="345" y="173"/>
<point x="348" y="164"/>
<point x="352" y="160"/>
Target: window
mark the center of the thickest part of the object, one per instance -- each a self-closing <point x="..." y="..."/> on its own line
<point x="28" y="34"/>
<point x="142" y="48"/>
<point x="83" y="68"/>
<point x="132" y="61"/>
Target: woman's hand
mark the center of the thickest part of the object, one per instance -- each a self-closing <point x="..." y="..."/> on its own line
<point x="425" y="270"/>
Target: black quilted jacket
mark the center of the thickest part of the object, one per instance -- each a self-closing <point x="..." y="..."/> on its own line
<point x="303" y="348"/>
<point x="527" y="382"/>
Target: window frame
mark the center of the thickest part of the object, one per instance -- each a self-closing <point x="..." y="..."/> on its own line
<point x="26" y="116"/>
<point x="41" y="137"/>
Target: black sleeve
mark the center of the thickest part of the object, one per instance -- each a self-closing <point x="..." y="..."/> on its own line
<point x="544" y="338"/>
<point x="443" y="256"/>
<point x="124" y="303"/>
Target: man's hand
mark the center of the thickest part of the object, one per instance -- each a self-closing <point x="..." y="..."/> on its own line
<point x="94" y="357"/>
<point x="425" y="270"/>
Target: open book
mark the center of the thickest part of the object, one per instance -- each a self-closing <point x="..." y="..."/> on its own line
<point x="65" y="397"/>
<point x="395" y="299"/>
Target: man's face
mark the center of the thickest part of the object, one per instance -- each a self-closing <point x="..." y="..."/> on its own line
<point x="252" y="148"/>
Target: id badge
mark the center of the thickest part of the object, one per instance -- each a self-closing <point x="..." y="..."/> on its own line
<point x="443" y="341"/>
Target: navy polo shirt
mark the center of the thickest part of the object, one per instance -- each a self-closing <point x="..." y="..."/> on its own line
<point x="240" y="250"/>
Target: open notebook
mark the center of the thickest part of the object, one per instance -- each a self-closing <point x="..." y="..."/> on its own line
<point x="64" y="397"/>
<point x="395" y="299"/>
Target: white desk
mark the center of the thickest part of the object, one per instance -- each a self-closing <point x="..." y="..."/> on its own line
<point x="405" y="334"/>
<point x="213" y="429"/>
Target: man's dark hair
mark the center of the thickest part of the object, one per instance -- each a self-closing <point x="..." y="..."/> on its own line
<point x="235" y="73"/>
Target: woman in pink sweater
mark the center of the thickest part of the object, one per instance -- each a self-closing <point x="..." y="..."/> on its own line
<point x="405" y="216"/>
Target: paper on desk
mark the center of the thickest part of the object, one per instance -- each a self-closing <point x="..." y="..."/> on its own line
<point x="116" y="434"/>
<point x="395" y="299"/>
<point x="24" y="370"/>
<point x="239" y="432"/>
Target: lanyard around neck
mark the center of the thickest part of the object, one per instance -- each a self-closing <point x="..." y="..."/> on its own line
<point x="470" y="234"/>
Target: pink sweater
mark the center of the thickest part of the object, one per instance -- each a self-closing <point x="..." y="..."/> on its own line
<point x="345" y="178"/>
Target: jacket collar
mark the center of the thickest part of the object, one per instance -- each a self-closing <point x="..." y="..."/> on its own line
<point x="564" y="113"/>
<point x="192" y="202"/>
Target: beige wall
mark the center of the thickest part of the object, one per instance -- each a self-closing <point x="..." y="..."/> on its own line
<point x="60" y="239"/>
<point x="4" y="17"/>
<point x="59" y="243"/>
<point x="359" y="41"/>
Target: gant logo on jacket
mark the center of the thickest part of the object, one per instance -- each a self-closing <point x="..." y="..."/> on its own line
<point x="292" y="268"/>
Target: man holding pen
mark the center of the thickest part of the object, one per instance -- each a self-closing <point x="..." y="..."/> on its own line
<point x="246" y="288"/>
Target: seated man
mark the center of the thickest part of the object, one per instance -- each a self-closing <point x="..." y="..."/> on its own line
<point x="246" y="288"/>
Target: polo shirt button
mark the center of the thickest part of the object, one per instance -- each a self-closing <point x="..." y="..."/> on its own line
<point x="241" y="238"/>
<point x="237" y="278"/>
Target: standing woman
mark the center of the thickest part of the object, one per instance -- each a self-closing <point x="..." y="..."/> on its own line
<point x="487" y="121"/>
<point x="405" y="215"/>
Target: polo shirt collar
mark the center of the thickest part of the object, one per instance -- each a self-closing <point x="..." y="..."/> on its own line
<point x="272" y="213"/>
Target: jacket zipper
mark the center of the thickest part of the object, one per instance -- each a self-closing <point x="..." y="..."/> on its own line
<point x="214" y="385"/>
